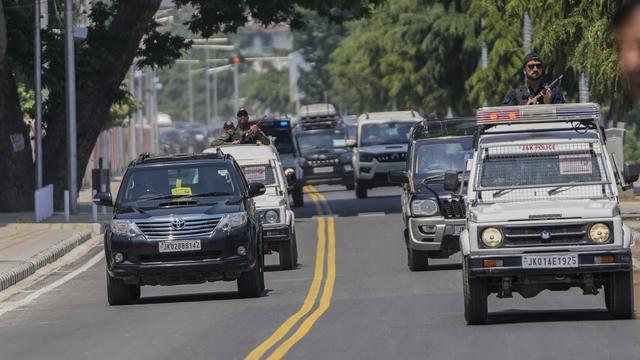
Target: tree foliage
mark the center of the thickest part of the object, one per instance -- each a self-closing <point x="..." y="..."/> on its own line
<point x="410" y="54"/>
<point x="119" y="32"/>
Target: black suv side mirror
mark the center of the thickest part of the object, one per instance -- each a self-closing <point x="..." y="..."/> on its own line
<point x="399" y="177"/>
<point x="256" y="189"/>
<point x="630" y="172"/>
<point x="291" y="177"/>
<point x="103" y="199"/>
<point x="451" y="181"/>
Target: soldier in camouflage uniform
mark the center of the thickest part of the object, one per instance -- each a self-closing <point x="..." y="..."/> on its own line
<point x="243" y="133"/>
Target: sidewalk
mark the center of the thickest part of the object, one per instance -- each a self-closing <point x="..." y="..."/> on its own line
<point x="26" y="246"/>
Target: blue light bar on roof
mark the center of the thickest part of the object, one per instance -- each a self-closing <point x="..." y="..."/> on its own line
<point x="283" y="124"/>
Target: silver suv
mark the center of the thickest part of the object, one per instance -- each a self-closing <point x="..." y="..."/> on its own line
<point x="543" y="209"/>
<point x="383" y="138"/>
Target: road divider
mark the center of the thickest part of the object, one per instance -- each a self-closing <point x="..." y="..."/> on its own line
<point x="325" y="249"/>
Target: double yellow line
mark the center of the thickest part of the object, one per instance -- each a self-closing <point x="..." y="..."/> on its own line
<point x="326" y="245"/>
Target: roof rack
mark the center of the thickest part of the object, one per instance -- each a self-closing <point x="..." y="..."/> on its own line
<point x="146" y="158"/>
<point x="142" y="157"/>
<point x="461" y="126"/>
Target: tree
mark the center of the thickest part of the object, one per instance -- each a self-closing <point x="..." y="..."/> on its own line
<point x="119" y="32"/>
<point x="315" y="43"/>
<point x="268" y="91"/>
<point x="410" y="54"/>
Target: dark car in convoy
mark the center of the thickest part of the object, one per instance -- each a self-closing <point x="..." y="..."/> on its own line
<point x="324" y="152"/>
<point x="433" y="215"/>
<point x="279" y="129"/>
<point x="183" y="219"/>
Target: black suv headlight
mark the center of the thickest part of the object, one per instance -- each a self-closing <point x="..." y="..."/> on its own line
<point x="365" y="157"/>
<point x="125" y="228"/>
<point x="424" y="207"/>
<point x="231" y="221"/>
<point x="346" y="158"/>
<point x="271" y="216"/>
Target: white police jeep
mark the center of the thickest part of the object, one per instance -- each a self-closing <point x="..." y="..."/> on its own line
<point x="543" y="209"/>
<point x="262" y="163"/>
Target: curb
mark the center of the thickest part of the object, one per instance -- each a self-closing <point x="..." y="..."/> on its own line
<point x="45" y="257"/>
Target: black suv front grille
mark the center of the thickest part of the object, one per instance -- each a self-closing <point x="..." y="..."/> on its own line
<point x="181" y="256"/>
<point x="541" y="235"/>
<point x="453" y="208"/>
<point x="392" y="157"/>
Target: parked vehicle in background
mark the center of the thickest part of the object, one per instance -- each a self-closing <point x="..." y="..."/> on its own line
<point x="433" y="216"/>
<point x="322" y="147"/>
<point x="543" y="211"/>
<point x="171" y="141"/>
<point x="262" y="164"/>
<point x="383" y="139"/>
<point x="183" y="219"/>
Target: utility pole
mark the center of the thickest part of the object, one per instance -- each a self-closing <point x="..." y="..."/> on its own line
<point x="38" y="90"/>
<point x="190" y="91"/>
<point x="215" y="90"/>
<point x="132" y="119"/>
<point x="236" y="95"/>
<point x="207" y="88"/>
<point x="70" y="101"/>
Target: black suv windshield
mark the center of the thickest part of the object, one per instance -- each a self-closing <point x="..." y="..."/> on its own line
<point x="175" y="181"/>
<point x="385" y="133"/>
<point x="310" y="141"/>
<point x="442" y="154"/>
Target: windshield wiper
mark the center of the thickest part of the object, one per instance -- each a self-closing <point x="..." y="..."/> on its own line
<point x="501" y="192"/>
<point x="213" y="193"/>
<point x="559" y="189"/>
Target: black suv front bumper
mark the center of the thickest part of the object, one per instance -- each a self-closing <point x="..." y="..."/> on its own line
<point x="217" y="260"/>
<point x="512" y="265"/>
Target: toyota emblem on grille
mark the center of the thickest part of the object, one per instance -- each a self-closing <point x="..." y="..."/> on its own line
<point x="177" y="224"/>
<point x="545" y="235"/>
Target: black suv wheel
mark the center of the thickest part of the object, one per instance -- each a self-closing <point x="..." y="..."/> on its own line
<point x="298" y="197"/>
<point x="416" y="260"/>
<point x="618" y="294"/>
<point x="361" y="189"/>
<point x="251" y="283"/>
<point x="119" y="293"/>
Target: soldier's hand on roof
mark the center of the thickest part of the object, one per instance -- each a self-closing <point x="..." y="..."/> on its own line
<point x="546" y="94"/>
<point x="533" y="101"/>
<point x="235" y="142"/>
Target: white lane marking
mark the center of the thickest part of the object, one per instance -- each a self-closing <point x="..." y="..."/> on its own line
<point x="372" y="214"/>
<point x="14" y="305"/>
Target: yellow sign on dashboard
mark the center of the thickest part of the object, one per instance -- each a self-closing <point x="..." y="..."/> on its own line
<point x="179" y="190"/>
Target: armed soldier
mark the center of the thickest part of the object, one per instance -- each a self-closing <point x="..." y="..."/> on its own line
<point x="536" y="91"/>
<point x="243" y="133"/>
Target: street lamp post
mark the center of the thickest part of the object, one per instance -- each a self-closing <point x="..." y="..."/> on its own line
<point x="38" y="94"/>
<point x="70" y="100"/>
<point x="207" y="87"/>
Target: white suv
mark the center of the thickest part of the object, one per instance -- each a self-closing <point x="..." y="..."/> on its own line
<point x="261" y="163"/>
<point x="383" y="138"/>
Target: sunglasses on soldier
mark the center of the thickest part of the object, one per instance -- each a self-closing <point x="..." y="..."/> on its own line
<point x="534" y="66"/>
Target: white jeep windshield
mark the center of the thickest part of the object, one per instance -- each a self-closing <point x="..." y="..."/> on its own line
<point x="542" y="171"/>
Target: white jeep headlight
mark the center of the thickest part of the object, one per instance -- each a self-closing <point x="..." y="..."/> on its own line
<point x="231" y="221"/>
<point x="424" y="207"/>
<point x="271" y="217"/>
<point x="491" y="237"/>
<point x="125" y="228"/>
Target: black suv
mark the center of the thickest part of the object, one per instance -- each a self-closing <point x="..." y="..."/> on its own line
<point x="183" y="219"/>
<point x="433" y="213"/>
<point x="324" y="154"/>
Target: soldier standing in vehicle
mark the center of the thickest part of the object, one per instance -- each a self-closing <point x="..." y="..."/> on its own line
<point x="533" y="69"/>
<point x="243" y="133"/>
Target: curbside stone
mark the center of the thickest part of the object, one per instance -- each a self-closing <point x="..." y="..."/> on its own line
<point x="45" y="257"/>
